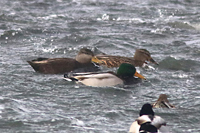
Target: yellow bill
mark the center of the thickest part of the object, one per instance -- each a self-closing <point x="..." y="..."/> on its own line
<point x="139" y="75"/>
<point x="96" y="60"/>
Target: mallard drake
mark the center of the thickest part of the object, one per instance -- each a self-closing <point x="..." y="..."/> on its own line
<point x="147" y="116"/>
<point x="124" y="75"/>
<point x="162" y="102"/>
<point x="140" y="57"/>
<point x="63" y="65"/>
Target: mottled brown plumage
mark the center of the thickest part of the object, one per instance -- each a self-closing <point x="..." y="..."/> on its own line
<point x="140" y="57"/>
<point x="62" y="65"/>
<point x="162" y="102"/>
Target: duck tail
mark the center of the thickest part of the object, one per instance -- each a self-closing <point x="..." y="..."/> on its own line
<point x="33" y="65"/>
<point x="68" y="77"/>
<point x="40" y="59"/>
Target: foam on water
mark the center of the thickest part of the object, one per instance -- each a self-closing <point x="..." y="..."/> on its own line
<point x="34" y="102"/>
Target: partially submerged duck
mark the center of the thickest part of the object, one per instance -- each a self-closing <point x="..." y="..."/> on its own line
<point x="148" y="116"/>
<point x="63" y="65"/>
<point x="139" y="59"/>
<point x="125" y="74"/>
<point x="162" y="102"/>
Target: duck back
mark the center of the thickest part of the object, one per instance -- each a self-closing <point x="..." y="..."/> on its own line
<point x="54" y="65"/>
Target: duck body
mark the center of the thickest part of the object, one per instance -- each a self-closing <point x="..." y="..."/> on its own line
<point x="115" y="61"/>
<point x="97" y="79"/>
<point x="147" y="115"/>
<point x="155" y="121"/>
<point x="56" y="65"/>
<point x="103" y="79"/>
<point x="63" y="65"/>
<point x="139" y="59"/>
<point x="147" y="127"/>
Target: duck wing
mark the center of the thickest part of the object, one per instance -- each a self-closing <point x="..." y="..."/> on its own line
<point x="96" y="79"/>
<point x="158" y="122"/>
<point x="54" y="65"/>
<point x="116" y="61"/>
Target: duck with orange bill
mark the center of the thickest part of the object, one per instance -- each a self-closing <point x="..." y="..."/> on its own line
<point x="125" y="75"/>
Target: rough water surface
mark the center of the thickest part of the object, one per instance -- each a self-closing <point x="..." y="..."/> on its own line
<point x="34" y="102"/>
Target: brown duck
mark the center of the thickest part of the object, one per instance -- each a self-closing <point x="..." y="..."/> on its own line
<point x="162" y="102"/>
<point x="62" y="65"/>
<point x="140" y="57"/>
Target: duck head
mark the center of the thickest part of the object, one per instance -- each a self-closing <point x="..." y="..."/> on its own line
<point x="146" y="110"/>
<point x="162" y="102"/>
<point x="143" y="55"/>
<point x="84" y="56"/>
<point x="128" y="70"/>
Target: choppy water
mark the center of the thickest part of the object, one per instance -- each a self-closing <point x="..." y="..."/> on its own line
<point x="33" y="102"/>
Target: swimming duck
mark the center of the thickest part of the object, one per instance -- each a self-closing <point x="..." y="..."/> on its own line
<point x="147" y="115"/>
<point x="63" y="65"/>
<point x="124" y="75"/>
<point x="140" y="57"/>
<point x="162" y="102"/>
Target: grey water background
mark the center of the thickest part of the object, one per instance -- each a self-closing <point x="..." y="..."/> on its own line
<point x="33" y="102"/>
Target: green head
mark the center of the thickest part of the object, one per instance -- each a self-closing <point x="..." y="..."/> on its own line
<point x="128" y="70"/>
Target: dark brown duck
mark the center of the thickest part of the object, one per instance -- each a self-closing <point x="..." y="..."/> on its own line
<point x="62" y="65"/>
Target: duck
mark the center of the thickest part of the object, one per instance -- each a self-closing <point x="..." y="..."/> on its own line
<point x="162" y="102"/>
<point x="139" y="59"/>
<point x="148" y="116"/>
<point x="125" y="75"/>
<point x="63" y="65"/>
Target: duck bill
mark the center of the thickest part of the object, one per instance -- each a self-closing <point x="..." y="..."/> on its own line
<point x="162" y="104"/>
<point x="153" y="61"/>
<point x="139" y="75"/>
<point x="167" y="105"/>
<point x="96" y="60"/>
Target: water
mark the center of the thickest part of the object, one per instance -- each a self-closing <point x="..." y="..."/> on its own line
<point x="33" y="102"/>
